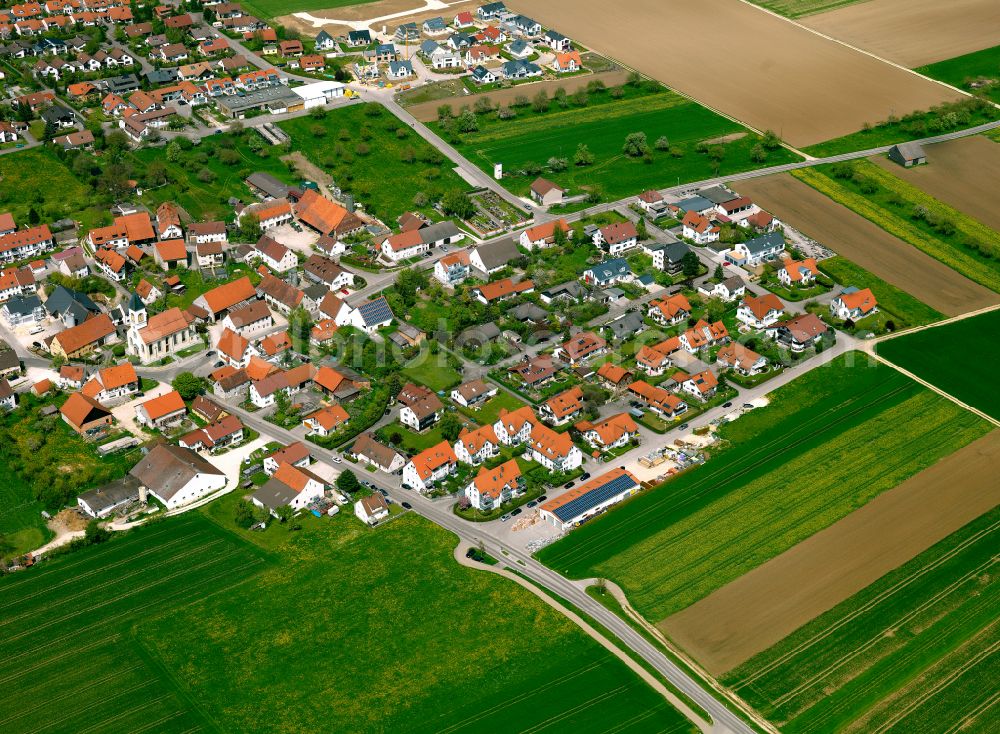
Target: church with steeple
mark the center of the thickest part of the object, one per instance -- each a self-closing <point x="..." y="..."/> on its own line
<point x="151" y="338"/>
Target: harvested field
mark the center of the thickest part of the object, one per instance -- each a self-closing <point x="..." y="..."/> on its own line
<point x="871" y="247"/>
<point x="916" y="652"/>
<point x="344" y="10"/>
<point x="961" y="173"/>
<point x="766" y="605"/>
<point x="773" y="75"/>
<point x="914" y="32"/>
<point x="427" y="111"/>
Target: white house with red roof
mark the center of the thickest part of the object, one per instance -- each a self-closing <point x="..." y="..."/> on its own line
<point x="798" y="272"/>
<point x="854" y="304"/>
<point x="430" y="466"/>
<point x="492" y="487"/>
<point x="698" y="228"/>
<point x="617" y="237"/>
<point x="542" y="235"/>
<point x="760" y="312"/>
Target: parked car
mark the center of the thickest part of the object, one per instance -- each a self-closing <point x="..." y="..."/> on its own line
<point x="505" y="518"/>
<point x="210" y="353"/>
<point x="336" y="459"/>
<point x="516" y="511"/>
<point x="585" y="476"/>
<point x="568" y="485"/>
<point x="683" y="426"/>
<point x="383" y="492"/>
<point x="541" y="499"/>
<point x="532" y="503"/>
<point x="218" y="364"/>
<point x="727" y="405"/>
<point x="406" y="505"/>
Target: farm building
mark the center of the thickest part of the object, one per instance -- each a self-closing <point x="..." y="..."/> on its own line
<point x="584" y="502"/>
<point x="907" y="154"/>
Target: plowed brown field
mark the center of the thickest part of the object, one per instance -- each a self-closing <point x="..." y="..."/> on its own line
<point x="744" y="62"/>
<point x="914" y="32"/>
<point x="867" y="244"/>
<point x="961" y="173"/>
<point x="764" y="606"/>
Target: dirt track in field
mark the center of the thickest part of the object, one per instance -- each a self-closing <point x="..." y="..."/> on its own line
<point x="753" y="66"/>
<point x="427" y="111"/>
<point x="961" y="173"/>
<point x="766" y="605"/>
<point x="867" y="244"/>
<point x="914" y="32"/>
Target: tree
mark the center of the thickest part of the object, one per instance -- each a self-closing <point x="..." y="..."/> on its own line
<point x="558" y="236"/>
<point x="662" y="143"/>
<point x="482" y="106"/>
<point x="408" y="282"/>
<point x="188" y="385"/>
<point x="457" y="204"/>
<point x="557" y="164"/>
<point x="244" y="514"/>
<point x="758" y="154"/>
<point x="33" y="217"/>
<point x="583" y="156"/>
<point x="640" y="229"/>
<point x="347" y="482"/>
<point x="690" y="265"/>
<point x="718" y="272"/>
<point x="467" y="122"/>
<point x="635" y="145"/>
<point x="450" y="426"/>
<point x="444" y="113"/>
<point x="115" y="180"/>
<point x="94" y="533"/>
<point x="284" y="513"/>
<point x="541" y="102"/>
<point x="174" y="151"/>
<point x="771" y="141"/>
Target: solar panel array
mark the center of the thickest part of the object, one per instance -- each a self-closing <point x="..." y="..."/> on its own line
<point x="594" y="497"/>
<point x="375" y="312"/>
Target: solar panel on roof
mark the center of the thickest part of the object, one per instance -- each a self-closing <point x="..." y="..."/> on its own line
<point x="375" y="312"/>
<point x="594" y="497"/>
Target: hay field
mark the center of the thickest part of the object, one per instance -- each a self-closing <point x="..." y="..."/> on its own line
<point x="914" y="32"/>
<point x="917" y="652"/>
<point x="749" y="64"/>
<point x="766" y="605"/>
<point x="867" y="244"/>
<point x="961" y="173"/>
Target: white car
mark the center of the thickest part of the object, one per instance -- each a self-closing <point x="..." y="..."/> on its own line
<point x="336" y="459"/>
<point x="36" y="329"/>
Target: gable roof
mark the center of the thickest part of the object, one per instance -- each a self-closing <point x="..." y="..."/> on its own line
<point x="229" y="294"/>
<point x="497" y="254"/>
<point x="80" y="409"/>
<point x="166" y="404"/>
<point x="167" y="469"/>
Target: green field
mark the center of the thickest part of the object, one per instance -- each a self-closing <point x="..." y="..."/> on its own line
<point x="830" y="442"/>
<point x="962" y="243"/>
<point x="363" y="147"/>
<point x="929" y="355"/>
<point x="277" y="8"/>
<point x="906" y="310"/>
<point x="914" y="653"/>
<point x="962" y="71"/>
<point x="603" y="126"/>
<point x="916" y="125"/>
<point x="56" y="195"/>
<point x="22" y="527"/>
<point x="355" y="626"/>
<point x="489" y="412"/>
<point x="337" y="628"/>
<point x="433" y="371"/>
<point x="802" y="8"/>
<point x="71" y="659"/>
<point x="209" y="199"/>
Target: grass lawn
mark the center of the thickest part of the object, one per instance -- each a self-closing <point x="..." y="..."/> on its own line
<point x="603" y="126"/>
<point x="413" y="442"/>
<point x="921" y="354"/>
<point x="208" y="199"/>
<point x="22" y="527"/>
<point x="906" y="310"/>
<point x="831" y="441"/>
<point x="961" y="71"/>
<point x="489" y="412"/>
<point x="371" y="612"/>
<point x="363" y="147"/>
<point x="276" y="8"/>
<point x="55" y="195"/>
<point x="69" y="626"/>
<point x="914" y="652"/>
<point x="962" y="243"/>
<point x="913" y="126"/>
<point x="802" y="8"/>
<point x="432" y="371"/>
